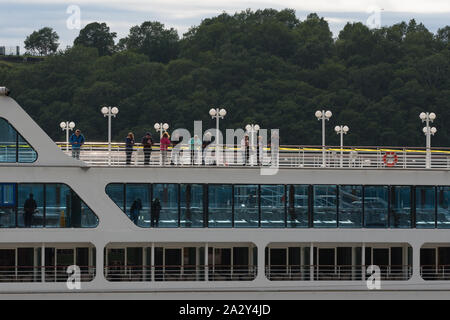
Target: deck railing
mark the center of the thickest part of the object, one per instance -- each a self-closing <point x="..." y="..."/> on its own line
<point x="43" y="274"/>
<point x="335" y="273"/>
<point x="97" y="154"/>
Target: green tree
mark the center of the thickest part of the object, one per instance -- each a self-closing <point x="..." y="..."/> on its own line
<point x="97" y="35"/>
<point x="154" y="40"/>
<point x="42" y="42"/>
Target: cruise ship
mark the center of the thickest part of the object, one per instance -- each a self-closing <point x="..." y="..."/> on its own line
<point x="194" y="230"/>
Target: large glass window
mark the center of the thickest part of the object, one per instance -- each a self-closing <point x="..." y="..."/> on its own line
<point x="220" y="210"/>
<point x="350" y="206"/>
<point x="325" y="206"/>
<point x="297" y="206"/>
<point x="57" y="199"/>
<point x="13" y="148"/>
<point x="192" y="213"/>
<point x="425" y="207"/>
<point x="7" y="205"/>
<point x="165" y="215"/>
<point x="444" y="207"/>
<point x="138" y="204"/>
<point x="273" y="206"/>
<point x="31" y="205"/>
<point x="116" y="191"/>
<point x="400" y="207"/>
<point x="376" y="206"/>
<point x="246" y="206"/>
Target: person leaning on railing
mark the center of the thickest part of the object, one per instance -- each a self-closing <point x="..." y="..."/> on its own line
<point x="147" y="142"/>
<point x="129" y="145"/>
<point x="77" y="140"/>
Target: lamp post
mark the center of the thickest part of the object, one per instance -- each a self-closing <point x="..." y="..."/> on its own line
<point x="342" y="130"/>
<point x="67" y="126"/>
<point x="110" y="112"/>
<point x="428" y="118"/>
<point x="252" y="129"/>
<point x="161" y="128"/>
<point x="217" y="113"/>
<point x="324" y="116"/>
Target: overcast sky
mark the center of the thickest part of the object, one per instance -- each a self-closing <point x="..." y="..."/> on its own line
<point x="19" y="18"/>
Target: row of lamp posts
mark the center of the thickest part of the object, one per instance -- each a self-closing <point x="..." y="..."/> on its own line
<point x="218" y="113"/>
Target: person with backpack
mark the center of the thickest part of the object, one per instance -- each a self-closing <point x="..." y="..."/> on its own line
<point x="76" y="140"/>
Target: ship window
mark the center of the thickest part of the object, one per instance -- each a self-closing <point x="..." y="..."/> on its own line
<point x="29" y="205"/>
<point x="13" y="147"/>
<point x="220" y="207"/>
<point x="297" y="206"/>
<point x="191" y="204"/>
<point x="166" y="215"/>
<point x="425" y="207"/>
<point x="400" y="207"/>
<point x="138" y="204"/>
<point x="376" y="206"/>
<point x="246" y="206"/>
<point x="116" y="192"/>
<point x="325" y="206"/>
<point x="350" y="206"/>
<point x="443" y="207"/>
<point x="273" y="206"/>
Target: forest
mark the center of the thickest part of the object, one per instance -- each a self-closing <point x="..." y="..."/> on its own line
<point x="264" y="67"/>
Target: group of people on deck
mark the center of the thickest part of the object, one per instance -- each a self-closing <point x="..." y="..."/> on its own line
<point x="77" y="140"/>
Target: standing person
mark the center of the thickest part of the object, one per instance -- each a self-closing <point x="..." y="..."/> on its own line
<point x="29" y="207"/>
<point x="135" y="210"/>
<point x="156" y="211"/>
<point x="245" y="146"/>
<point x="76" y="140"/>
<point x="175" y="157"/>
<point x="147" y="143"/>
<point x="164" y="147"/>
<point x="129" y="145"/>
<point x="194" y="144"/>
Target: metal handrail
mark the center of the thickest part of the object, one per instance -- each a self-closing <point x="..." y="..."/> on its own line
<point x="97" y="154"/>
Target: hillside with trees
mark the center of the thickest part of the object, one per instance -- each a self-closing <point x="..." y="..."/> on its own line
<point x="265" y="67"/>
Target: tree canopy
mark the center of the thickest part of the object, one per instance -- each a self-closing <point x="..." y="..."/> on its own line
<point x="265" y="67"/>
<point x="97" y="35"/>
<point x="42" y="42"/>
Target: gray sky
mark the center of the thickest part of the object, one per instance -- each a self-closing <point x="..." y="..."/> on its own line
<point x="19" y="18"/>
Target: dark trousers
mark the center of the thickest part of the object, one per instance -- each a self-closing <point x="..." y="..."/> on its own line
<point x="155" y="219"/>
<point x="28" y="217"/>
<point x="147" y="155"/>
<point x="129" y="154"/>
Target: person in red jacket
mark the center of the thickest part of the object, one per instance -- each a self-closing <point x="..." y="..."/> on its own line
<point x="164" y="147"/>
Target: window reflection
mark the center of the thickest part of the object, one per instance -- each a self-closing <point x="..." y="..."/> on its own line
<point x="425" y="207"/>
<point x="325" y="206"/>
<point x="192" y="215"/>
<point x="350" y="206"/>
<point x="246" y="206"/>
<point x="273" y="206"/>
<point x="400" y="207"/>
<point x="13" y="147"/>
<point x="376" y="206"/>
<point x="220" y="208"/>
<point x="297" y="206"/>
<point x="166" y="214"/>
<point x="444" y="207"/>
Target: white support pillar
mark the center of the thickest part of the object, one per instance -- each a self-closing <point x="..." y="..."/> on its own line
<point x="206" y="262"/>
<point x="152" y="266"/>
<point x="43" y="263"/>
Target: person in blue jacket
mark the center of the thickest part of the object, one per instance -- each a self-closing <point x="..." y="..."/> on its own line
<point x="76" y="140"/>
